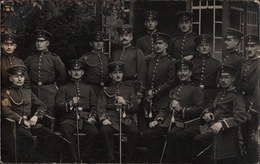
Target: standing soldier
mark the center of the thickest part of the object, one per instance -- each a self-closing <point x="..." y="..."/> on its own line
<point x="17" y="103"/>
<point x="8" y="59"/>
<point x="118" y="96"/>
<point x="81" y="97"/>
<point x="146" y="42"/>
<point x="96" y="63"/>
<point x="135" y="65"/>
<point x="161" y="76"/>
<point x="234" y="57"/>
<point x="249" y="86"/>
<point x="46" y="71"/>
<point x="204" y="70"/>
<point x="182" y="45"/>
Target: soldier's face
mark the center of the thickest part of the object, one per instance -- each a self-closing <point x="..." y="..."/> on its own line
<point x="251" y="50"/>
<point x="17" y="80"/>
<point x="42" y="44"/>
<point x="97" y="45"/>
<point x="184" y="73"/>
<point x="117" y="76"/>
<point x="204" y="48"/>
<point x="8" y="47"/>
<point x="126" y="38"/>
<point x="185" y="25"/>
<point x="231" y="43"/>
<point x="76" y="73"/>
<point x="226" y="80"/>
<point x="160" y="46"/>
<point x="150" y="24"/>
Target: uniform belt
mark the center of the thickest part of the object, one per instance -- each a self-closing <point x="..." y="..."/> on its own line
<point x="129" y="78"/>
<point x="42" y="83"/>
<point x="102" y="84"/>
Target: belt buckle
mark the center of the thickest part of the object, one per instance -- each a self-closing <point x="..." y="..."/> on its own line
<point x="202" y="86"/>
<point x="102" y="84"/>
<point x="39" y="83"/>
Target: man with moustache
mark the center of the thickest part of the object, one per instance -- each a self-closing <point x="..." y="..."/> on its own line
<point x="182" y="46"/>
<point x="118" y="96"/>
<point x="186" y="103"/>
<point x="81" y="97"/>
<point x="8" y="59"/>
<point x="161" y="77"/>
<point x="223" y="118"/>
<point x="46" y="71"/>
<point x="249" y="87"/>
<point x="146" y="42"/>
<point x="204" y="70"/>
<point x="96" y="63"/>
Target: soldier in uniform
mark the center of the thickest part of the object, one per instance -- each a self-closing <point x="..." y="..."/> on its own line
<point x="135" y="66"/>
<point x="234" y="56"/>
<point x="81" y="97"/>
<point x="118" y="96"/>
<point x="249" y="86"/>
<point x="96" y="63"/>
<point x="146" y="42"/>
<point x="186" y="104"/>
<point x="204" y="70"/>
<point x="46" y="71"/>
<point x="182" y="45"/>
<point x="17" y="102"/>
<point x="161" y="77"/>
<point x="223" y="119"/>
<point x="8" y="59"/>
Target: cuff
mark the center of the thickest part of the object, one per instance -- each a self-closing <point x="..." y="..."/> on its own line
<point x="224" y="124"/>
<point x="160" y="120"/>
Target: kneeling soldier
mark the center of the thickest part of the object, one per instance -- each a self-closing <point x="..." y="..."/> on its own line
<point x="76" y="103"/>
<point x="17" y="102"/>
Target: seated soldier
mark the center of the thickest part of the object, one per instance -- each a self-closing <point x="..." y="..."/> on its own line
<point x="76" y="104"/>
<point x="118" y="96"/>
<point x="17" y="102"/>
<point x="223" y="118"/>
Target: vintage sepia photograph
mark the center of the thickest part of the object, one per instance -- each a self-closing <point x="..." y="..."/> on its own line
<point x="130" y="81"/>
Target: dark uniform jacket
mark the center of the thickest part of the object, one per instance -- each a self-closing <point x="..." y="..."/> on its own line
<point x="8" y="60"/>
<point x="135" y="65"/>
<point x="96" y="71"/>
<point x="182" y="45"/>
<point x="228" y="109"/>
<point x="204" y="71"/>
<point x="249" y="83"/>
<point x="106" y="108"/>
<point x="46" y="71"/>
<point x="146" y="43"/>
<point x="18" y="101"/>
<point x="87" y="101"/>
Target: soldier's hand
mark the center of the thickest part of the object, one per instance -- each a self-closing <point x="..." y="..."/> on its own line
<point x="26" y="124"/>
<point x="33" y="120"/>
<point x="75" y="100"/>
<point x="153" y="124"/>
<point x="175" y="104"/>
<point x="216" y="127"/>
<point x="106" y="122"/>
<point x="208" y="117"/>
<point x="150" y="94"/>
<point x="120" y="100"/>
<point x="91" y="120"/>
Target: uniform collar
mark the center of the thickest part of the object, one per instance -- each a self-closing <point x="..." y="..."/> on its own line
<point x="233" y="51"/>
<point x="126" y="47"/>
<point x="17" y="87"/>
<point x="6" y="54"/>
<point x="254" y="58"/>
<point x="162" y="55"/>
<point x="151" y="32"/>
<point x="96" y="52"/>
<point x="75" y="81"/>
<point x="117" y="84"/>
<point x="205" y="56"/>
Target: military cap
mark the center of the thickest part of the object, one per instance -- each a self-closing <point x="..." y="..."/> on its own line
<point x="182" y="63"/>
<point x="161" y="36"/>
<point x="9" y="38"/>
<point x="184" y="15"/>
<point x="125" y="28"/>
<point x="41" y="2"/>
<point x="96" y="36"/>
<point x="151" y="15"/>
<point x="234" y="32"/>
<point x="226" y="69"/>
<point x="251" y="39"/>
<point x="76" y="64"/>
<point x="43" y="34"/>
<point x="116" y="66"/>
<point x="17" y="70"/>
<point x="203" y="38"/>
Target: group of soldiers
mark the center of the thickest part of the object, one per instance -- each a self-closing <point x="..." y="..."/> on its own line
<point x="165" y="86"/>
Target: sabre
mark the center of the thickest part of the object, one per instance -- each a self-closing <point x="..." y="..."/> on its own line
<point x="77" y="124"/>
<point x="119" y="107"/>
<point x="205" y="149"/>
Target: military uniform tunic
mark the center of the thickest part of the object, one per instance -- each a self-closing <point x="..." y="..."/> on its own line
<point x="182" y="45"/>
<point x="146" y="44"/>
<point x="96" y="71"/>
